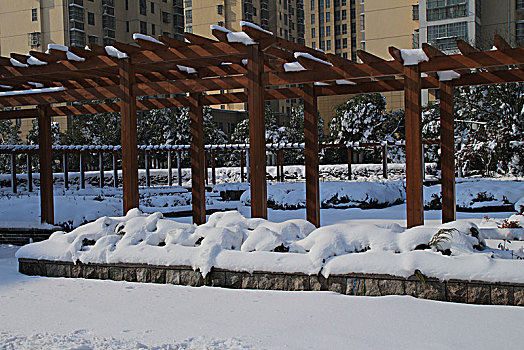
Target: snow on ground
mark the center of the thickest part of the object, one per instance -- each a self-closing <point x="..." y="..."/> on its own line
<point x="57" y="313"/>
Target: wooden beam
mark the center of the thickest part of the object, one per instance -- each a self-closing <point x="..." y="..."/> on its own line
<point x="19" y="114"/>
<point x="128" y="121"/>
<point x="465" y="48"/>
<point x="46" y="165"/>
<point x="311" y="151"/>
<point x="447" y="152"/>
<point x="368" y="58"/>
<point x="396" y="54"/>
<point x="198" y="160"/>
<point x="414" y="154"/>
<point x="501" y="44"/>
<point x="257" y="132"/>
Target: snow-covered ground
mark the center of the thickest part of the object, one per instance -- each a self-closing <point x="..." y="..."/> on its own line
<point x="57" y="313"/>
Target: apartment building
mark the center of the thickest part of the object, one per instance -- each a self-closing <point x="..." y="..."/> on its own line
<point x="33" y="24"/>
<point x="284" y="18"/>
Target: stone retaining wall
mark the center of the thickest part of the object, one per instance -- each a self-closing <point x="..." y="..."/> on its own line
<point x="471" y="292"/>
<point x="22" y="236"/>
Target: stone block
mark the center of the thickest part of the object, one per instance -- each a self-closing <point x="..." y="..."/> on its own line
<point x="31" y="268"/>
<point x="89" y="271"/>
<point x="501" y="295"/>
<point x="173" y="276"/>
<point x="102" y="272"/>
<point x="457" y="292"/>
<point x="371" y="287"/>
<point x="58" y="270"/>
<point x="158" y="275"/>
<point x="296" y="283"/>
<point x="518" y="296"/>
<point x="270" y="281"/>
<point x="249" y="281"/>
<point x="234" y="279"/>
<point x="191" y="278"/>
<point x="318" y="282"/>
<point x="129" y="274"/>
<point x="337" y="284"/>
<point x="391" y="287"/>
<point x="143" y="274"/>
<point x="216" y="279"/>
<point x="116" y="273"/>
<point x="355" y="286"/>
<point x="430" y="290"/>
<point x="77" y="271"/>
<point x="478" y="293"/>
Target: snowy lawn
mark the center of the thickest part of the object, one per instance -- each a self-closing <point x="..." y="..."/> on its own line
<point x="59" y="313"/>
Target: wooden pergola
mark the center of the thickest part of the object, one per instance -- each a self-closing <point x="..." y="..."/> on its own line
<point x="127" y="78"/>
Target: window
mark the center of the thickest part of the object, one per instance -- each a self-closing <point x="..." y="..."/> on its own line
<point x="77" y="38"/>
<point x="285" y="19"/>
<point x="312" y="4"/>
<point x="344" y="14"/>
<point x="313" y="32"/>
<point x="92" y="40"/>
<point x="220" y="23"/>
<point x="416" y="39"/>
<point x="127" y="26"/>
<point x="220" y="9"/>
<point x="165" y="17"/>
<point x="322" y="32"/>
<point x="444" y="36"/>
<point x="415" y="12"/>
<point x="91" y="18"/>
<point x="152" y="7"/>
<point x="143" y="27"/>
<point x="328" y="17"/>
<point x="322" y="45"/>
<point x="336" y="3"/>
<point x="143" y="7"/>
<point x="363" y="46"/>
<point x="321" y="18"/>
<point x="320" y="4"/>
<point x="445" y="9"/>
<point x="312" y="18"/>
<point x="189" y="16"/>
<point x="153" y="29"/>
<point x="188" y="3"/>
<point x="286" y="36"/>
<point x="254" y="11"/>
<point x="189" y="29"/>
<point x="127" y="5"/>
<point x="34" y="15"/>
<point x="353" y="43"/>
<point x="328" y="31"/>
<point x="328" y="45"/>
<point x="362" y="22"/>
<point x="328" y="4"/>
<point x="337" y="30"/>
<point x="520" y="33"/>
<point x="313" y="44"/>
<point x="520" y="4"/>
<point x="344" y="29"/>
<point x="338" y="44"/>
<point x="337" y="16"/>
<point x="344" y="43"/>
<point x="344" y="3"/>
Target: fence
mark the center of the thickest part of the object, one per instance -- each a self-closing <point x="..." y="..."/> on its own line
<point x="278" y="149"/>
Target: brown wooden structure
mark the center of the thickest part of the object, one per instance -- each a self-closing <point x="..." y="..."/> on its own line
<point x="126" y="78"/>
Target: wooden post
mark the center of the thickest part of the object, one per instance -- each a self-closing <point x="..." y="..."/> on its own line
<point x="447" y="152"/>
<point x="257" y="132"/>
<point x="385" y="161"/>
<point x="213" y="168"/>
<point x="65" y="169"/>
<point x="242" y="174"/>
<point x="281" y="165"/>
<point x="169" y="168"/>
<point x="147" y="161"/>
<point x="115" y="171"/>
<point x="311" y="151"/>
<point x="350" y="159"/>
<point x="414" y="161"/>
<point x="13" y="172"/>
<point x="128" y="120"/>
<point x="198" y="159"/>
<point x="101" y="167"/>
<point x="82" y="170"/>
<point x="29" y="172"/>
<point x="46" y="165"/>
<point x="179" y="168"/>
<point x="278" y="164"/>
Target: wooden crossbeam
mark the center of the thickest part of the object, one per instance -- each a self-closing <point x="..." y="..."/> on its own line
<point x="432" y="51"/>
<point x="501" y="44"/>
<point x="369" y="58"/>
<point x="149" y="45"/>
<point x="220" y="35"/>
<point x="171" y="42"/>
<point x="396" y="54"/>
<point x="465" y="48"/>
<point x="198" y="39"/>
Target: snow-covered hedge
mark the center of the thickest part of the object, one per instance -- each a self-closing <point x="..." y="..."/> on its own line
<point x="230" y="241"/>
<point x="336" y="194"/>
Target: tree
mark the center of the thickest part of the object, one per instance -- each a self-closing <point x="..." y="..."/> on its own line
<point x="9" y="135"/>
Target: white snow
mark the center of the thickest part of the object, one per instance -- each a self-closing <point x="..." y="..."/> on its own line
<point x="147" y="38"/>
<point x="412" y="57"/>
<point x="73" y="57"/>
<point x="33" y="61"/>
<point x="448" y="75"/>
<point x="57" y="47"/>
<point x="220" y="28"/>
<point x="17" y="63"/>
<point x="32" y="91"/>
<point x="240" y="37"/>
<point x="186" y="69"/>
<point x="311" y="57"/>
<point x="6" y="87"/>
<point x="36" y="85"/>
<point x="318" y="83"/>
<point x="58" y="313"/>
<point x="254" y="26"/>
<point x="293" y="67"/>
<point x="345" y="82"/>
<point x="114" y="52"/>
